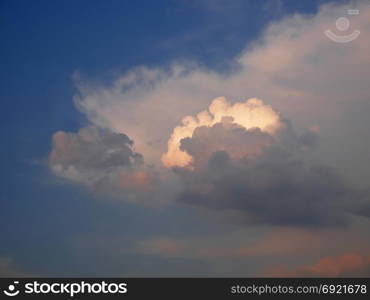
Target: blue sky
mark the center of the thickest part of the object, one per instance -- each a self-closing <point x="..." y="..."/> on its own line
<point x="50" y="226"/>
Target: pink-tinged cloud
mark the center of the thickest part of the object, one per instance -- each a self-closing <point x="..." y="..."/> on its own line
<point x="294" y="68"/>
<point x="293" y="241"/>
<point x="346" y="265"/>
<point x="252" y="113"/>
<point x="136" y="180"/>
<point x="107" y="164"/>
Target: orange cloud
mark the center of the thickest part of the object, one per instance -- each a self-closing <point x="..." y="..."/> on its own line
<point x="136" y="180"/>
<point x="346" y="265"/>
<point x="283" y="242"/>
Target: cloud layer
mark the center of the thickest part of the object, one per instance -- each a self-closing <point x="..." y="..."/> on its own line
<point x="346" y="265"/>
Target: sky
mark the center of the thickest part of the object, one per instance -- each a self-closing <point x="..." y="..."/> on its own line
<point x="184" y="138"/>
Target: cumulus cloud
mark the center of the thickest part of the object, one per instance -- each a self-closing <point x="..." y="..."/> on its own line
<point x="106" y="163"/>
<point x="228" y="137"/>
<point x="236" y="155"/>
<point x="293" y="66"/>
<point x="253" y="113"/>
<point x="90" y="154"/>
<point x="263" y="174"/>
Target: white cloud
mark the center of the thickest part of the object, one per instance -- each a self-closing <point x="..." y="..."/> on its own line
<point x="293" y="66"/>
<point x="253" y="113"/>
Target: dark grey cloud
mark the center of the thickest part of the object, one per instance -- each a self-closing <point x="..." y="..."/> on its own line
<point x="309" y="138"/>
<point x="240" y="143"/>
<point x="102" y="160"/>
<point x="106" y="163"/>
<point x="91" y="154"/>
<point x="362" y="206"/>
<point x="270" y="182"/>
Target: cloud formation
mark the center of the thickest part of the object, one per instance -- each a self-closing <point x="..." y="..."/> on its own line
<point x="236" y="155"/>
<point x="253" y="113"/>
<point x="107" y="164"/>
<point x="263" y="175"/>
<point x="100" y="159"/>
<point x="346" y="265"/>
<point x="293" y="66"/>
<point x="90" y="154"/>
